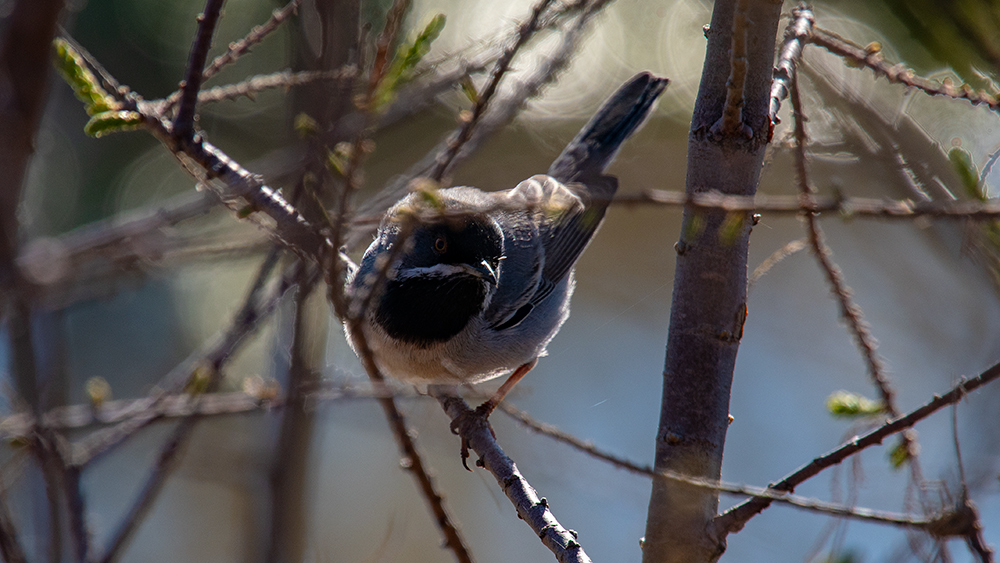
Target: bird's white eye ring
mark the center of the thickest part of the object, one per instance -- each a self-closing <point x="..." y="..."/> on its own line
<point x="440" y="244"/>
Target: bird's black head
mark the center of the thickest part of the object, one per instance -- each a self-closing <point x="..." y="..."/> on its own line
<point x="446" y="275"/>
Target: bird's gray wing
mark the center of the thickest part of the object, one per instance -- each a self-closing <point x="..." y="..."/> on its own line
<point x="551" y="224"/>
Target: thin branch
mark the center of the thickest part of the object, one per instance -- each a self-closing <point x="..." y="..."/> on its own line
<point x="525" y="32"/>
<point x="235" y="51"/>
<point x="289" y="460"/>
<point x="735" y="518"/>
<point x="246" y="321"/>
<point x="10" y="544"/>
<point x="292" y="228"/>
<point x="171" y="451"/>
<point x="239" y="48"/>
<point x="182" y="405"/>
<point x="843" y="207"/>
<point x="797" y="34"/>
<point x="849" y="310"/>
<point x="533" y="510"/>
<point x="809" y="504"/>
<point x="871" y="57"/>
<point x="183" y="125"/>
<point x="776" y="257"/>
<point x="165" y="462"/>
<point x="405" y="440"/>
<point x="284" y="79"/>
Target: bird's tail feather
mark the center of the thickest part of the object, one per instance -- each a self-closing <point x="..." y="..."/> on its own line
<point x="596" y="145"/>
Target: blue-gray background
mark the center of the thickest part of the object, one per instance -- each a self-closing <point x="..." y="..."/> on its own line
<point x="933" y="310"/>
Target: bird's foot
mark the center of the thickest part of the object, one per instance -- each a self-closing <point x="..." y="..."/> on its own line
<point x="468" y="423"/>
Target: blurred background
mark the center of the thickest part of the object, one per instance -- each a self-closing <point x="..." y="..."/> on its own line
<point x="928" y="290"/>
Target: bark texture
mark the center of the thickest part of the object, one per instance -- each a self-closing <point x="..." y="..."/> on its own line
<point x="729" y="131"/>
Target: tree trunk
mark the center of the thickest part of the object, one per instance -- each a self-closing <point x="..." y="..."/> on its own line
<point x="709" y="299"/>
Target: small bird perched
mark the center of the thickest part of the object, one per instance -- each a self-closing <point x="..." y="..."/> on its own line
<point x="463" y="285"/>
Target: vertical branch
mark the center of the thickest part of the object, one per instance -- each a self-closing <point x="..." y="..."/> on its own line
<point x="169" y="455"/>
<point x="24" y="71"/>
<point x="290" y="460"/>
<point x="849" y="311"/>
<point x="797" y="34"/>
<point x="184" y="123"/>
<point x="412" y="460"/>
<point x="710" y="281"/>
<point x="10" y="545"/>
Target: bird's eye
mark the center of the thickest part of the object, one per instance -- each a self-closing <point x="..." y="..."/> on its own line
<point x="440" y="245"/>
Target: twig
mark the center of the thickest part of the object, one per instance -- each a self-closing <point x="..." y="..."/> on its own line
<point x="844" y="207"/>
<point x="235" y="51"/>
<point x="292" y="228"/>
<point x="165" y="462"/>
<point x="183" y="126"/>
<point x="169" y="454"/>
<point x="797" y="34"/>
<point x="239" y="48"/>
<point x="412" y="460"/>
<point x="526" y="30"/>
<point x="533" y="510"/>
<point x="284" y="79"/>
<point x="871" y="57"/>
<point x="182" y="405"/>
<point x="337" y="268"/>
<point x="10" y="544"/>
<point x="775" y="257"/>
<point x="735" y="518"/>
<point x="246" y="321"/>
<point x="289" y="460"/>
<point x="810" y="504"/>
<point x="849" y="311"/>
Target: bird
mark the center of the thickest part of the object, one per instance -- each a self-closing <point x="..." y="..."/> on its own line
<point x="461" y="286"/>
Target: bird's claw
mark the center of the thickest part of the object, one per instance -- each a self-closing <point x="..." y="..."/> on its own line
<point x="469" y="422"/>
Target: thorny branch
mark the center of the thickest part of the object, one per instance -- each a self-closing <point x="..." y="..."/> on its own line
<point x="814" y="505"/>
<point x="533" y="510"/>
<point x="183" y="126"/>
<point x="849" y="310"/>
<point x="735" y="518"/>
<point x="170" y="452"/>
<point x="836" y="205"/>
<point x="797" y="34"/>
<point x="871" y="57"/>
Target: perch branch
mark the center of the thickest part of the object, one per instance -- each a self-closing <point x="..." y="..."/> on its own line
<point x="533" y="510"/>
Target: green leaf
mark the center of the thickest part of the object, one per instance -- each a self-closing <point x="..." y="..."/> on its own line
<point x="899" y="455"/>
<point x="306" y="126"/>
<point x="408" y="56"/>
<point x="469" y="89"/>
<point x="85" y="85"/>
<point x="967" y="172"/>
<point x="112" y="122"/>
<point x="846" y="404"/>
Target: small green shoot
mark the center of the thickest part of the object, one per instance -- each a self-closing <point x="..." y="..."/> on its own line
<point x="849" y="405"/>
<point x="408" y="56"/>
<point x="961" y="160"/>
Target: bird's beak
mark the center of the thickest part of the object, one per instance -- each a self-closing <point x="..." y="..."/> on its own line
<point x="486" y="271"/>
